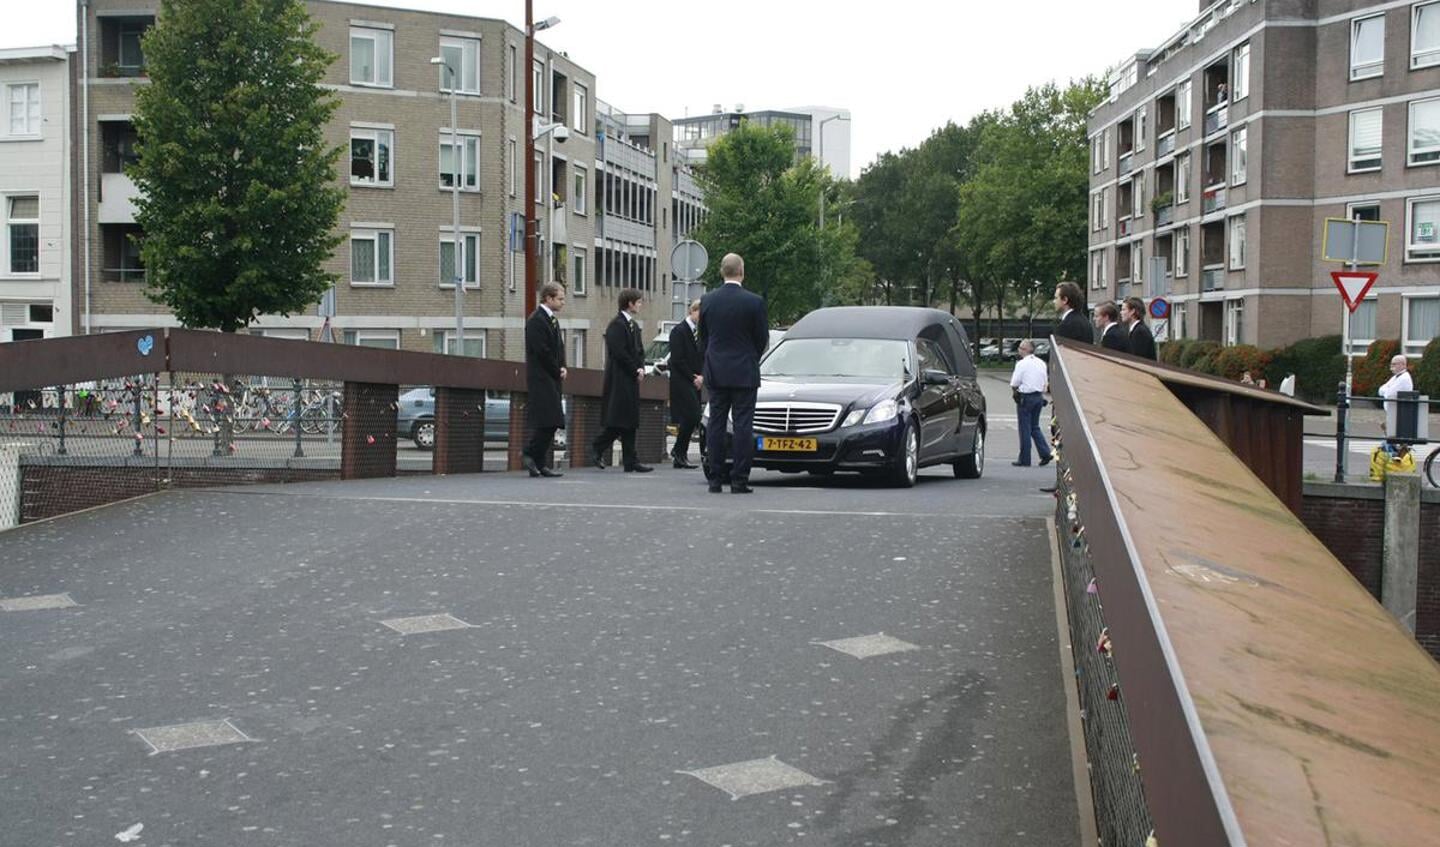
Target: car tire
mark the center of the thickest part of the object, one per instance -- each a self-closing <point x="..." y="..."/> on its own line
<point x="424" y="435"/>
<point x="972" y="464"/>
<point x="907" y="462"/>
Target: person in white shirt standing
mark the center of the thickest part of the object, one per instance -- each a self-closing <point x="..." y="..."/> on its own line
<point x="1399" y="381"/>
<point x="1028" y="382"/>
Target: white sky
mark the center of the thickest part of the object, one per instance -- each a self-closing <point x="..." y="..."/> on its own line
<point x="902" y="68"/>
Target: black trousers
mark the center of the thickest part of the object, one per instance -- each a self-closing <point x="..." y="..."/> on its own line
<point x="542" y="442"/>
<point x="739" y="404"/>
<point x="683" y="431"/>
<point x="607" y="438"/>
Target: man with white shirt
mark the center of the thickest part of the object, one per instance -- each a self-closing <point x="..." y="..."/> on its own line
<point x="1107" y="322"/>
<point x="1028" y="382"/>
<point x="1399" y="381"/>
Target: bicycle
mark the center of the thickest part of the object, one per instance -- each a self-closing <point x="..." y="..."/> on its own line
<point x="320" y="412"/>
<point x="1432" y="468"/>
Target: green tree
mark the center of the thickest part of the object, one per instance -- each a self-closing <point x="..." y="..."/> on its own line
<point x="765" y="206"/>
<point x="238" y="196"/>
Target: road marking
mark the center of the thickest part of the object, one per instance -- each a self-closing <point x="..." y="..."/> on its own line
<point x="37" y="602"/>
<point x="425" y="623"/>
<point x="757" y="776"/>
<point x="865" y="646"/>
<point x="185" y="736"/>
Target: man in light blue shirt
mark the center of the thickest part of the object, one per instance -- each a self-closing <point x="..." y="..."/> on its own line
<point x="1028" y="382"/>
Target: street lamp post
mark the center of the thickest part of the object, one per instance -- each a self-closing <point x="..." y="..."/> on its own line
<point x="822" y="159"/>
<point x="456" y="167"/>
<point x="532" y="234"/>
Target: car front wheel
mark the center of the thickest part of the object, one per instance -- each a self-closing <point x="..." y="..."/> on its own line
<point x="424" y="435"/>
<point x="907" y="463"/>
<point x="973" y="465"/>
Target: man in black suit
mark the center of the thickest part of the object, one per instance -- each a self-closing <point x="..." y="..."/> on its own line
<point x="1138" y="337"/>
<point x="544" y="371"/>
<point x="624" y="368"/>
<point x="1107" y="321"/>
<point x="1070" y="307"/>
<point x="734" y="332"/>
<point x="685" y="383"/>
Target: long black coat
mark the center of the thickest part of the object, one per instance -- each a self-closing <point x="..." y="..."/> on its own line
<point x="1113" y="338"/>
<point x="544" y="357"/>
<point x="685" y="364"/>
<point x="1141" y="341"/>
<point x="624" y="355"/>
<point x="1076" y="326"/>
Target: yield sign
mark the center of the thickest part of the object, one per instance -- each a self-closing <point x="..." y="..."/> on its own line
<point x="1353" y="285"/>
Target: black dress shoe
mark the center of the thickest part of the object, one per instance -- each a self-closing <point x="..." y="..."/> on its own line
<point x="597" y="460"/>
<point x="683" y="464"/>
<point x="547" y="472"/>
<point x="1045" y="461"/>
<point x="740" y="488"/>
<point x="529" y="464"/>
<point x="638" y="468"/>
<point x="716" y="488"/>
<point x="1019" y="464"/>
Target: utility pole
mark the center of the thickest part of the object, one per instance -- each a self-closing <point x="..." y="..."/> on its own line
<point x="532" y="233"/>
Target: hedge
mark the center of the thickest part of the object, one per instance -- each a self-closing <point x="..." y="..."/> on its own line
<point x="1234" y="362"/>
<point x="1171" y="351"/>
<point x="1372" y="370"/>
<point x="1427" y="372"/>
<point x="1196" y="352"/>
<point x="1317" y="363"/>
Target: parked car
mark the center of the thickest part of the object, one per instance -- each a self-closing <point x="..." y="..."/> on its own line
<point x="989" y="352"/>
<point x="416" y="417"/>
<point x="882" y="390"/>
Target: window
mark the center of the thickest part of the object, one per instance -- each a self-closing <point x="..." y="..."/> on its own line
<point x="539" y="176"/>
<point x="131" y="57"/>
<point x="1240" y="77"/>
<point x="1097" y="210"/>
<point x="1141" y="123"/>
<point x="1097" y="268"/>
<point x="1183" y="105"/>
<point x="444" y="342"/>
<point x="469" y="258"/>
<point x="371" y="51"/>
<point x="1425" y="35"/>
<point x="1137" y="264"/>
<point x="462" y="63"/>
<point x="1182" y="251"/>
<point x="577" y="348"/>
<point x="1422" y="241"/>
<point x="1363" y="211"/>
<point x="1365" y="140"/>
<point x="1137" y="195"/>
<point x="24" y="100"/>
<point x="577" y="273"/>
<point x="512" y="70"/>
<point x="578" y="118"/>
<point x="384" y="339"/>
<point x="1367" y="47"/>
<point x="577" y="197"/>
<point x="468" y="163"/>
<point x="22" y="234"/>
<point x="537" y="86"/>
<point x="1362" y="327"/>
<point x="1097" y="155"/>
<point x="370" y="157"/>
<point x="1104" y="207"/>
<point x="372" y="260"/>
<point x="1238" y="155"/>
<point x="1234" y="322"/>
<point x="1422" y="323"/>
<point x="510" y="150"/>
<point x="1237" y="243"/>
<point x="1424" y="143"/>
<point x="1182" y="178"/>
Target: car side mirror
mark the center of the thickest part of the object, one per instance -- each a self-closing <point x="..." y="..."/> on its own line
<point x="935" y="378"/>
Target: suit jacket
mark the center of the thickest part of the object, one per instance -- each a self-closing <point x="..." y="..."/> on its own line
<point x="1077" y="327"/>
<point x="624" y="355"/>
<point x="685" y="365"/>
<point x="1141" y="341"/>
<point x="1113" y="338"/>
<point x="734" y="332"/>
<point x="544" y="357"/>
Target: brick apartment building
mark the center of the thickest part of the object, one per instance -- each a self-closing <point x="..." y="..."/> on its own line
<point x="610" y="222"/>
<point x="1223" y="150"/>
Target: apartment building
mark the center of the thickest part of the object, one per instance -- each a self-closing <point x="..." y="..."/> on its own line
<point x="595" y="198"/>
<point x="820" y="131"/>
<point x="34" y="193"/>
<point x="1222" y="151"/>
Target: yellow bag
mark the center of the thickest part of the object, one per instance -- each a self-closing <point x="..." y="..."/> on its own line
<point x="1381" y="463"/>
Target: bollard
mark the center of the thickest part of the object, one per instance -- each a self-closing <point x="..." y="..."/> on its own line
<point x="295" y="417"/>
<point x="61" y="451"/>
<point x="1342" y="402"/>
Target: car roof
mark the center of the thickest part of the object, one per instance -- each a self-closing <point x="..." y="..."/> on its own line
<point x="868" y="322"/>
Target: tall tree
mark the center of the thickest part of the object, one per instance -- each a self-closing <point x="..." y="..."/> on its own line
<point x="238" y="195"/>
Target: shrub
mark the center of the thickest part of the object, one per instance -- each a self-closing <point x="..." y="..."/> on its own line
<point x="1197" y="351"/>
<point x="1373" y="369"/>
<point x="1171" y="351"/>
<point x="1317" y="364"/>
<point x="1427" y="371"/>
<point x="1233" y="362"/>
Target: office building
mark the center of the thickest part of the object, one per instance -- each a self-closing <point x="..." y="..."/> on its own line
<point x="821" y="131"/>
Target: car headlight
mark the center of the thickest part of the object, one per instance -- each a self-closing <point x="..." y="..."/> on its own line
<point x="885" y="410"/>
<point x="854" y="417"/>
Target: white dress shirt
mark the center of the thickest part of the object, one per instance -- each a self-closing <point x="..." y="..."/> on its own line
<point x="1396" y="384"/>
<point x="1030" y="376"/>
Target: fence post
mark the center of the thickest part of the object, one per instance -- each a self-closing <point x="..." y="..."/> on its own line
<point x="139" y="420"/>
<point x="295" y="417"/>
<point x="62" y="449"/>
<point x="1342" y="402"/>
<point x="1400" y="549"/>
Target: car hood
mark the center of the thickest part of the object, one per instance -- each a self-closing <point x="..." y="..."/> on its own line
<point x="845" y="393"/>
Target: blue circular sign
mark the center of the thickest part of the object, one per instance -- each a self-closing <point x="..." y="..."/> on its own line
<point x="1159" y="308"/>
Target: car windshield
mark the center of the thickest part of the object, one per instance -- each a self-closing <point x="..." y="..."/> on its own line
<point x="657" y="350"/>
<point x="870" y="358"/>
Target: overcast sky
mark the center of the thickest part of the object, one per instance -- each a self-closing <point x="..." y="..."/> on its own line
<point x="902" y="68"/>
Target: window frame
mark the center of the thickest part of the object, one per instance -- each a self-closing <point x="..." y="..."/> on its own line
<point x="373" y="133"/>
<point x="1353" y="164"/>
<point x="7" y="267"/>
<point x="1182" y="116"/>
<point x="375" y="233"/>
<point x="1409" y="346"/>
<point x="462" y="42"/>
<point x="467" y="139"/>
<point x="1410" y="149"/>
<point x="442" y="337"/>
<point x="580" y="105"/>
<point x="373" y="34"/>
<point x="26" y="105"/>
<point x="1432" y="56"/>
<point x="1234" y="321"/>
<point x="469" y="257"/>
<point x="1240" y="82"/>
<point x="1360" y="344"/>
<point x="513" y="72"/>
<point x="1372" y="69"/>
<point x="1431" y="254"/>
<point x="579" y="189"/>
<point x="377" y="334"/>
<point x="537" y="82"/>
<point x="1182" y="185"/>
<point x="1240" y="156"/>
<point x="1231" y="243"/>
<point x="1180" y="269"/>
<point x="576" y="347"/>
<point x="513" y="154"/>
<point x="579" y="267"/>
<point x="1140" y="129"/>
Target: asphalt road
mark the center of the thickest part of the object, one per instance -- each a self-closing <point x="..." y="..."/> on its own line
<point x="631" y="652"/>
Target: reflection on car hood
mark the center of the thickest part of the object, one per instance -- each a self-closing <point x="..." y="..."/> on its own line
<point x="861" y="393"/>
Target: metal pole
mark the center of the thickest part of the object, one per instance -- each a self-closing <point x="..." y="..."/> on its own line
<point x="1342" y="402"/>
<point x="1350" y="313"/>
<point x="458" y="168"/>
<point x="139" y="423"/>
<point x="528" y="201"/>
<point x="61" y="450"/>
<point x="295" y="413"/>
<point x="549" y="206"/>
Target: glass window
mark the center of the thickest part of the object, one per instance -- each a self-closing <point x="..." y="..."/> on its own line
<point x="1137" y="263"/>
<point x="1240" y="82"/>
<point x="1182" y="178"/>
<point x="578" y="257"/>
<point x="371" y="259"/>
<point x="1183" y="105"/>
<point x="1365" y="139"/>
<point x="444" y="342"/>
<point x="537" y="86"/>
<point x="1097" y="265"/>
<point x="1423" y="229"/>
<point x="1234" y="321"/>
<point x="512" y="70"/>
<point x="577" y="348"/>
<point x="1422" y="323"/>
<point x="581" y="98"/>
<point x="510" y="160"/>
<point x="130" y="54"/>
<point x="462" y="63"/>
<point x="1182" y="251"/>
<point x="1363" y="211"/>
<point x="1424" y="143"/>
<point x="856" y="358"/>
<point x="22" y="234"/>
<point x="24" y="107"/>
<point x="1367" y="47"/>
<point x="1237" y="242"/>
<point x="1362" y="327"/>
<point x="383" y="339"/>
<point x="1238" y="155"/>
<point x="1141" y="124"/>
<point x="1425" y="35"/>
<point x="370" y="56"/>
<point x="370" y="157"/>
<point x="469" y="255"/>
<point x="579" y="195"/>
<point x="469" y="174"/>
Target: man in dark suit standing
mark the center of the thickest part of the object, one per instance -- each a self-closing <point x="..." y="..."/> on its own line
<point x="1068" y="305"/>
<point x="1138" y="337"/>
<point x="624" y="368"/>
<point x="685" y="383"/>
<point x="734" y="332"/>
<point x="544" y="371"/>
<point x="1107" y="321"/>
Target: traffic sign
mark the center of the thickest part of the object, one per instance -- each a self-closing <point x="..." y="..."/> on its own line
<point x="1353" y="285"/>
<point x="1159" y="308"/>
<point x="688" y="260"/>
<point x="1356" y="242"/>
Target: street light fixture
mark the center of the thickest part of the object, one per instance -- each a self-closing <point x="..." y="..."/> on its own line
<point x="839" y="117"/>
<point x="456" y="167"/>
<point x="553" y="133"/>
<point x="532" y="234"/>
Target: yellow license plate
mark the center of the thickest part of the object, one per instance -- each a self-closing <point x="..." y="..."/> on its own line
<point x="789" y="445"/>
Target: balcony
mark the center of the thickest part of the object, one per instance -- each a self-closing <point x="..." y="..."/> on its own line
<point x="1164" y="215"/>
<point x="1165" y="144"/>
<point x="1122" y="289"/>
<point x="1217" y="119"/>
<point x="1212" y="278"/>
<point x="1127" y="163"/>
<point x="117" y="199"/>
<point x="1124" y="227"/>
<point x="1212" y="199"/>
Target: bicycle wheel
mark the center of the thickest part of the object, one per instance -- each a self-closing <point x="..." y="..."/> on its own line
<point x="1432" y="468"/>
